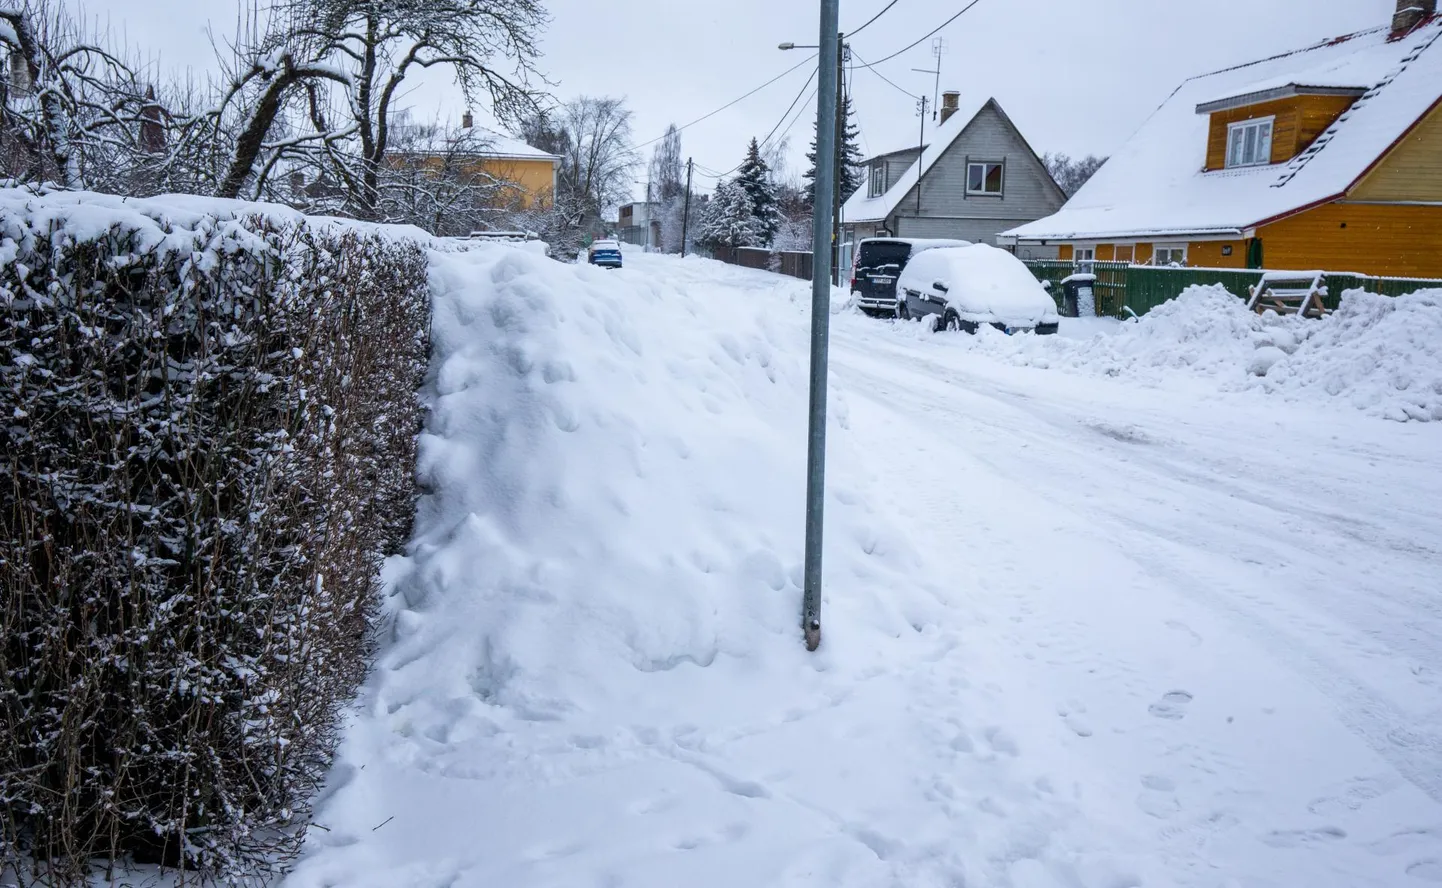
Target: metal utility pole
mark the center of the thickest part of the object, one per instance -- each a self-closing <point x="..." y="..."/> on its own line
<point x="824" y="215"/>
<point x="686" y="213"/>
<point x="920" y="153"/>
<point x="842" y="53"/>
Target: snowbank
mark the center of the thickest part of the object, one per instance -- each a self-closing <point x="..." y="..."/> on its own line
<point x="1380" y="354"/>
<point x="603" y="594"/>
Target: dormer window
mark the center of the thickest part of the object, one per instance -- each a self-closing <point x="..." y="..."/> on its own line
<point x="876" y="182"/>
<point x="1249" y="143"/>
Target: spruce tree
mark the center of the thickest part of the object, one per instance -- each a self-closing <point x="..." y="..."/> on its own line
<point x="754" y="178"/>
<point x="728" y="220"/>
<point x="853" y="162"/>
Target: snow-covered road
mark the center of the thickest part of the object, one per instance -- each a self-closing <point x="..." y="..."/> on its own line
<point x="1081" y="631"/>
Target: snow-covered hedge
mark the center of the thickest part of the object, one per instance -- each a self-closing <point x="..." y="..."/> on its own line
<point x="208" y="427"/>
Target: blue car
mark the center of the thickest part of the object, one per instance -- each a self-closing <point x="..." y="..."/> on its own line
<point x="606" y="254"/>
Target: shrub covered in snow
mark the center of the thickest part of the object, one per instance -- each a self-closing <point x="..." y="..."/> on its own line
<point x="209" y="431"/>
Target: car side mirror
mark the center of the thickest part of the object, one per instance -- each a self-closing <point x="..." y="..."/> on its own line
<point x="940" y="287"/>
<point x="1046" y="285"/>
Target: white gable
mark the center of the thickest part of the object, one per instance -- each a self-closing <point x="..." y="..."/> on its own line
<point x="861" y="208"/>
<point x="1156" y="184"/>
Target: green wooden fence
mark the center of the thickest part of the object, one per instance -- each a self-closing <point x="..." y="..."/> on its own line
<point x="1123" y="289"/>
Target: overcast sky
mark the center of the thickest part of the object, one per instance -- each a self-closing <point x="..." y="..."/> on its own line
<point x="1077" y="76"/>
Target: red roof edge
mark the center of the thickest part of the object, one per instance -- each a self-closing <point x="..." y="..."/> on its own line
<point x="1395" y="142"/>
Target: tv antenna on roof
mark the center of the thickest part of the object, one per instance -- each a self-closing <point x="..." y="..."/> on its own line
<point x="938" y="49"/>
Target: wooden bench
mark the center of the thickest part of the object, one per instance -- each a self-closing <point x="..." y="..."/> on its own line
<point x="1290" y="293"/>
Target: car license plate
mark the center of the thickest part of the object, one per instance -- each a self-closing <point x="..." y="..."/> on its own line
<point x="883" y="280"/>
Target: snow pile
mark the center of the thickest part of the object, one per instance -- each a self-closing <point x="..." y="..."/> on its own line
<point x="595" y="673"/>
<point x="1380" y="354"/>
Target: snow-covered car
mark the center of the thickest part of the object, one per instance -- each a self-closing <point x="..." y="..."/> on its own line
<point x="605" y="253"/>
<point x="879" y="262"/>
<point x="961" y="288"/>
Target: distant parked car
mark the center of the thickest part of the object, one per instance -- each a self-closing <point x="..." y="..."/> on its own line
<point x="961" y="288"/>
<point x="879" y="262"/>
<point x="605" y="253"/>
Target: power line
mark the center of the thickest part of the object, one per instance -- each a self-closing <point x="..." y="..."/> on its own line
<point x="766" y="141"/>
<point x="873" y="19"/>
<point x="731" y="103"/>
<point x="925" y="37"/>
<point x="872" y="69"/>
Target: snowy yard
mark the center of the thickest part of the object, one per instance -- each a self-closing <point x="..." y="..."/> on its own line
<point x="1099" y="612"/>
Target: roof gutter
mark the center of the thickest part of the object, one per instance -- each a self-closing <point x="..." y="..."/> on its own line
<point x="1280" y="92"/>
<point x="1108" y="236"/>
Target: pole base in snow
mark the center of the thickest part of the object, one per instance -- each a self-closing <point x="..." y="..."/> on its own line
<point x="813" y="636"/>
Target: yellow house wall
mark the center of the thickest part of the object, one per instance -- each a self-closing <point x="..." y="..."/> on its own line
<point x="1299" y="121"/>
<point x="535" y="178"/>
<point x="1208" y="254"/>
<point x="1413" y="169"/>
<point x="1387" y="240"/>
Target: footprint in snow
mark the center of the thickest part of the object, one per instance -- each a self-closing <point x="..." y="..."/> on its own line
<point x="1172" y="706"/>
<point x="1426" y="871"/>
<point x="1071" y="715"/>
<point x="1158" y="797"/>
<point x="1297" y="838"/>
<point x="1186" y="631"/>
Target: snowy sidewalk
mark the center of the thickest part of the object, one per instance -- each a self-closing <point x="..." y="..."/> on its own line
<point x="1079" y="632"/>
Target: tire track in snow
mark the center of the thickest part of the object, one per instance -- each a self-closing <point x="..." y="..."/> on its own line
<point x="1412" y="749"/>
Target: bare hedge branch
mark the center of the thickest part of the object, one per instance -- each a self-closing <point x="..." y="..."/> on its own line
<point x="207" y="438"/>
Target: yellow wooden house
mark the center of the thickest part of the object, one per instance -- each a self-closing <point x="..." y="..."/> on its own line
<point x="524" y="177"/>
<point x="1326" y="158"/>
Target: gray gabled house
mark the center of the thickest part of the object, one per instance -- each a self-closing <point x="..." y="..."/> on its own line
<point x="978" y="177"/>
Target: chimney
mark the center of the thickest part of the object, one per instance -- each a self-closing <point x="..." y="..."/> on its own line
<point x="1410" y="14"/>
<point x="951" y="103"/>
<point x="152" y="125"/>
<point x="19" y="74"/>
<point x="468" y="121"/>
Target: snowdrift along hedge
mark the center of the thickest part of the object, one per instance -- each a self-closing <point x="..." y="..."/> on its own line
<point x="208" y="433"/>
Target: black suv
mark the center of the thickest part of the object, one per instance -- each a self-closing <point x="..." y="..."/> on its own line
<point x="879" y="262"/>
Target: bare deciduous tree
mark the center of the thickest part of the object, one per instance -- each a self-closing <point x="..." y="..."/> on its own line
<point x="490" y="46"/>
<point x="1071" y="174"/>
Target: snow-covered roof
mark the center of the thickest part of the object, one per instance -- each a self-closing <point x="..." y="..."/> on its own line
<point x="1156" y="185"/>
<point x="487" y="143"/>
<point x="861" y="208"/>
<point x="495" y="144"/>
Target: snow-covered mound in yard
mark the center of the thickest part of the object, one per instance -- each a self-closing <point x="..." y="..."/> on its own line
<point x="1380" y="354"/>
<point x="595" y="672"/>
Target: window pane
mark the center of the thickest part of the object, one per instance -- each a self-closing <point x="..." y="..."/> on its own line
<point x="975" y="177"/>
<point x="993" y="178"/>
<point x="1249" y="153"/>
<point x="1234" y="156"/>
<point x="1264" y="152"/>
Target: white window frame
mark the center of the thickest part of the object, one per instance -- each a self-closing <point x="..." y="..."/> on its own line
<point x="984" y="164"/>
<point x="876" y="180"/>
<point x="1237" y="150"/>
<point x="1082" y="259"/>
<point x="1169" y="249"/>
